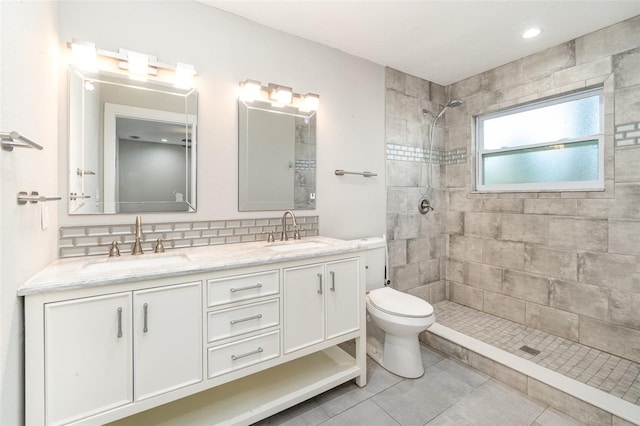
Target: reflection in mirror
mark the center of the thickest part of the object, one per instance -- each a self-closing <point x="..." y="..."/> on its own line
<point x="277" y="157"/>
<point x="132" y="145"/>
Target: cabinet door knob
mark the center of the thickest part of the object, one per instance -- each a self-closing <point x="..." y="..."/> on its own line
<point x="320" y="287"/>
<point x="145" y="308"/>
<point x="119" y="322"/>
<point x="333" y="280"/>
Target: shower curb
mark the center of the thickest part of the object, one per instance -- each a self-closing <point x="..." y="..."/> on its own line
<point x="523" y="374"/>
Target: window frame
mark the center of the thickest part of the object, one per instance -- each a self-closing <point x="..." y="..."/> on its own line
<point x="592" y="185"/>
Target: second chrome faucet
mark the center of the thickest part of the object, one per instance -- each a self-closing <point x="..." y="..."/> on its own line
<point x="296" y="228"/>
<point x="137" y="245"/>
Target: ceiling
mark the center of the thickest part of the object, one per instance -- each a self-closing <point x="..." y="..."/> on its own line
<point x="443" y="41"/>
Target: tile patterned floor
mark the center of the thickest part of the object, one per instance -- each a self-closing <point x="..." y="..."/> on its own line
<point x="617" y="376"/>
<point x="449" y="394"/>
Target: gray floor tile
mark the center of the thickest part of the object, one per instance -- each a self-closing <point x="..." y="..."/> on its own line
<point x="308" y="413"/>
<point x="429" y="357"/>
<point x="462" y="373"/>
<point x="491" y="404"/>
<point x="416" y="401"/>
<point x="365" y="413"/>
<point x="551" y="417"/>
<point x="348" y="395"/>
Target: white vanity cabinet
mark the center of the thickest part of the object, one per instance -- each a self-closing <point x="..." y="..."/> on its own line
<point x="167" y="331"/>
<point x="320" y="302"/>
<point x="88" y="348"/>
<point x="219" y="341"/>
<point x="93" y="343"/>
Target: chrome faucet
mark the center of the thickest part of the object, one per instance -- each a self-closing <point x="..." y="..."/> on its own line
<point x="296" y="230"/>
<point x="137" y="246"/>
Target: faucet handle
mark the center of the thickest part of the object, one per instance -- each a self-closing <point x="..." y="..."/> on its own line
<point x="114" y="250"/>
<point x="296" y="232"/>
<point x="270" y="235"/>
<point x="159" y="248"/>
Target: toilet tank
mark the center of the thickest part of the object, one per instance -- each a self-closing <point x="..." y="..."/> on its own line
<point x="375" y="267"/>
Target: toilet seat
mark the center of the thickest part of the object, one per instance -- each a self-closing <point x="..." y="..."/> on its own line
<point x="397" y="303"/>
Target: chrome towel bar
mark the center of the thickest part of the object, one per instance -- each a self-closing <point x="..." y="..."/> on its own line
<point x="15" y="139"/>
<point x="365" y="174"/>
<point x="34" y="197"/>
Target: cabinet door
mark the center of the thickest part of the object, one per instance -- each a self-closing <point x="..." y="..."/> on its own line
<point x="303" y="306"/>
<point x="167" y="326"/>
<point x="88" y="353"/>
<point x="343" y="297"/>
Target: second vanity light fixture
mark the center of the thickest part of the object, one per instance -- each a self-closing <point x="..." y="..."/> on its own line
<point x="252" y="90"/>
<point x="140" y="65"/>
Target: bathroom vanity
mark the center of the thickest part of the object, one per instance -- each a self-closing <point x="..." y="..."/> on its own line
<point x="220" y="334"/>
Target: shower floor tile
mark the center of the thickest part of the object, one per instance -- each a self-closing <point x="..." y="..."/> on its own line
<point x="609" y="373"/>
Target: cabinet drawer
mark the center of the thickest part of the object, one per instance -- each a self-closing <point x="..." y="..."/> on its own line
<point x="242" y="287"/>
<point x="236" y="355"/>
<point x="243" y="319"/>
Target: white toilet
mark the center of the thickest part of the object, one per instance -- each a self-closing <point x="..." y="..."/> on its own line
<point x="394" y="320"/>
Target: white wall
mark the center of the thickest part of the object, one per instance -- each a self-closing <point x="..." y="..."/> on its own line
<point x="29" y="93"/>
<point x="225" y="50"/>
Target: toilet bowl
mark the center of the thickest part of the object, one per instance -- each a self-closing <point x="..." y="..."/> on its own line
<point x="394" y="320"/>
<point x="399" y="319"/>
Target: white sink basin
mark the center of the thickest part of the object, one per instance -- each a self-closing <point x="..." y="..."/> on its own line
<point x="125" y="262"/>
<point x="297" y="246"/>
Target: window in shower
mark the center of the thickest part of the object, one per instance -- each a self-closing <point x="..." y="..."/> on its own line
<point x="551" y="145"/>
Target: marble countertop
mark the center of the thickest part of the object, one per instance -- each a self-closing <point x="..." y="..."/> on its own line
<point x="68" y="274"/>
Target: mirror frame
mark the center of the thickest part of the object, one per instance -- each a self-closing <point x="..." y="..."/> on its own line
<point x="108" y="154"/>
<point x="245" y="201"/>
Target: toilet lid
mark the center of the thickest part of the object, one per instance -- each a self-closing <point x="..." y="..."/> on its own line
<point x="397" y="303"/>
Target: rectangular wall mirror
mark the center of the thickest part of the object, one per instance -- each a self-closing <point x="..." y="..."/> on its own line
<point x="132" y="145"/>
<point x="277" y="157"/>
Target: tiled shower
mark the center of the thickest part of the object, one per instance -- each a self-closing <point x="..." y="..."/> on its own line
<point x="564" y="263"/>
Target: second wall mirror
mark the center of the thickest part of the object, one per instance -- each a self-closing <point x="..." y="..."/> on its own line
<point x="277" y="157"/>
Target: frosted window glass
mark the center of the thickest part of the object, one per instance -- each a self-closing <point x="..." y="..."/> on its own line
<point x="555" y="163"/>
<point x="568" y="120"/>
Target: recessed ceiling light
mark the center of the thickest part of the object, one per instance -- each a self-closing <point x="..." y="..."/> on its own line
<point x="164" y="140"/>
<point x="531" y="33"/>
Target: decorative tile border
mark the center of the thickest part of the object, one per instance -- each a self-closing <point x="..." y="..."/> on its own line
<point x="627" y="134"/>
<point x="416" y="154"/>
<point x="75" y="241"/>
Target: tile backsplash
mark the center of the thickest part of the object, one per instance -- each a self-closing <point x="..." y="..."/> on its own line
<point x="90" y="240"/>
<point x="417" y="154"/>
<point x="628" y="134"/>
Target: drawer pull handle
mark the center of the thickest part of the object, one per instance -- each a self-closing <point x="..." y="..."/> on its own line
<point x="145" y="308"/>
<point x="333" y="280"/>
<point x="320" y="287"/>
<point x="257" y="351"/>
<point x="119" y="322"/>
<point x="251" y="287"/>
<point x="245" y="319"/>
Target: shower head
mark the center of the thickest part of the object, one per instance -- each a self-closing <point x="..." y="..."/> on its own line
<point x="451" y="104"/>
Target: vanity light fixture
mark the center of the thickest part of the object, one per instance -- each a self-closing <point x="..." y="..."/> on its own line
<point x="184" y="75"/>
<point x="278" y="95"/>
<point x="281" y="94"/>
<point x="250" y="90"/>
<point x="137" y="64"/>
<point x="310" y="102"/>
<point x="531" y="33"/>
<point x="85" y="57"/>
